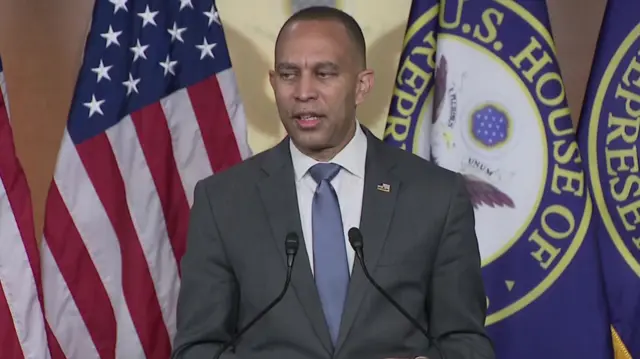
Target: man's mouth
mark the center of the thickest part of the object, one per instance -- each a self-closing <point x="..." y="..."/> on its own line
<point x="307" y="120"/>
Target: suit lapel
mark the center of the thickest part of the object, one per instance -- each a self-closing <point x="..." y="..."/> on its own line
<point x="377" y="210"/>
<point x="278" y="193"/>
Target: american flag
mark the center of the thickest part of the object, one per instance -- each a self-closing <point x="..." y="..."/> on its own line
<point x="155" y="109"/>
<point x="22" y="324"/>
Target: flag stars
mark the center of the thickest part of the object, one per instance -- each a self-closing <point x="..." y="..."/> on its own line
<point x="131" y="84"/>
<point x="94" y="106"/>
<point x="102" y="71"/>
<point x="138" y="51"/>
<point x="185" y="3"/>
<point x="148" y="17"/>
<point x="212" y="14"/>
<point x="119" y="4"/>
<point x="168" y="66"/>
<point x="206" y="49"/>
<point x="176" y="33"/>
<point x="111" y="36"/>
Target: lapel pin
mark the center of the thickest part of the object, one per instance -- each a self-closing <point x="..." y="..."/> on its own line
<point x="384" y="187"/>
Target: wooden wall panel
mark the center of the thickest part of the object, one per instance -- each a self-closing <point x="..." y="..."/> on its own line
<point x="41" y="44"/>
<point x="575" y="26"/>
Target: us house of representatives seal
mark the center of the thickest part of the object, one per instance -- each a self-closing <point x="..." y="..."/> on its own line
<point x="499" y="116"/>
<point x="614" y="127"/>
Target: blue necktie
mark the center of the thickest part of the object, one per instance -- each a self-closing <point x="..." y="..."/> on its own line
<point x="330" y="255"/>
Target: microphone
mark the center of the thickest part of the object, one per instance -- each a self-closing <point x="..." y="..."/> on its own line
<point x="355" y="238"/>
<point x="291" y="249"/>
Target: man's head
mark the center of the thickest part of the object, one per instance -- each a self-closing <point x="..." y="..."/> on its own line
<point x="319" y="79"/>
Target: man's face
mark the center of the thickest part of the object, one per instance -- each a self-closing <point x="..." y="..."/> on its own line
<point x="318" y="81"/>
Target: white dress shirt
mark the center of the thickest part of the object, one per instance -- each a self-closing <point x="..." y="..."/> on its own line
<point x="348" y="184"/>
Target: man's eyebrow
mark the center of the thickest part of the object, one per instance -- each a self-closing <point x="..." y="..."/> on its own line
<point x="286" y="66"/>
<point x="320" y="65"/>
<point x="327" y="65"/>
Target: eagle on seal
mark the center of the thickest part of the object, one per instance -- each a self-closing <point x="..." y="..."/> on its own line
<point x="480" y="191"/>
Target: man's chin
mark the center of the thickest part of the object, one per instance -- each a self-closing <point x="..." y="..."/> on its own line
<point x="310" y="142"/>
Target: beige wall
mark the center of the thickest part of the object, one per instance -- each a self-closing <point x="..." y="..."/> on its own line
<point x="41" y="44"/>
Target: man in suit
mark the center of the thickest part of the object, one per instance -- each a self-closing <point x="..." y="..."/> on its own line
<point x="328" y="175"/>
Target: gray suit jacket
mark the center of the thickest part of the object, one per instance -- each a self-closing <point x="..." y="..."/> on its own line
<point x="419" y="244"/>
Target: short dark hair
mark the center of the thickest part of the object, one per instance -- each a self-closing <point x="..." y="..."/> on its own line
<point x="330" y="13"/>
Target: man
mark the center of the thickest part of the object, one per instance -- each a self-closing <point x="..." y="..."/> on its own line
<point x="330" y="174"/>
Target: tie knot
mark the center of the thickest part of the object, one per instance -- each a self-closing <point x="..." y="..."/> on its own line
<point x="324" y="171"/>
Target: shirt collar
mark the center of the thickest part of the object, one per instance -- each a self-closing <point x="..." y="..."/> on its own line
<point x="352" y="157"/>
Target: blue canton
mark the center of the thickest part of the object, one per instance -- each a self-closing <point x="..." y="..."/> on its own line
<point x="139" y="52"/>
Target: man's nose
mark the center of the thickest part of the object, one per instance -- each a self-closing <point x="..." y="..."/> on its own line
<point x="306" y="88"/>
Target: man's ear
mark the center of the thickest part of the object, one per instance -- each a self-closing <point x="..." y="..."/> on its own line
<point x="272" y="79"/>
<point x="364" y="85"/>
